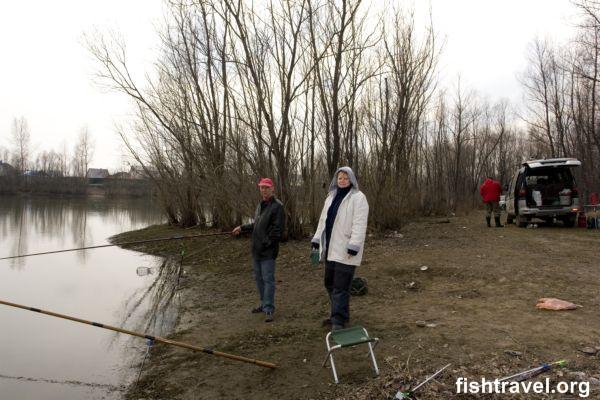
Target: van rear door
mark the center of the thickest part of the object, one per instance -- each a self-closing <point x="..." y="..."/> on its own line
<point x="553" y="162"/>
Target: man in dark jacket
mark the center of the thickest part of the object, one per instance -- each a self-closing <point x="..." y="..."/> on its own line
<point x="490" y="192"/>
<point x="267" y="230"/>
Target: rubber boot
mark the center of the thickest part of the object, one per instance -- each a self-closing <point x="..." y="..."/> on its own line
<point x="488" y="220"/>
<point x="497" y="221"/>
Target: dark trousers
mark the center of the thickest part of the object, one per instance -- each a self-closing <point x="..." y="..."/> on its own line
<point x="338" y="280"/>
<point x="264" y="274"/>
<point x="492" y="207"/>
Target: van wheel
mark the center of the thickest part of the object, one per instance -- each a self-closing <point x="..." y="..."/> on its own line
<point x="521" y="221"/>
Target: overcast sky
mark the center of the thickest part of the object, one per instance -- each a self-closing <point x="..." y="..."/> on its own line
<point x="46" y="73"/>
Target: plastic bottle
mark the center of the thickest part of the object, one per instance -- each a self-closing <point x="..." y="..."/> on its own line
<point x="314" y="257"/>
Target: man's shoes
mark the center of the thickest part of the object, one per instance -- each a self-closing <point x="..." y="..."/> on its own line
<point x="336" y="326"/>
<point x="269" y="316"/>
<point x="326" y="322"/>
<point x="257" y="310"/>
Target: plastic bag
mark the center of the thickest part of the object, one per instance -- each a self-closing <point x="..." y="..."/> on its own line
<point x="556" y="304"/>
<point x="537" y="197"/>
<point x="359" y="287"/>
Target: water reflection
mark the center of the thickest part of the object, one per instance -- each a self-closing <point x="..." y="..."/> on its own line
<point x="160" y="299"/>
<point x="50" y="358"/>
<point x="24" y="218"/>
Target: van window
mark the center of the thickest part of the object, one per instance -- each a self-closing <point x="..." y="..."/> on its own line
<point x="540" y="177"/>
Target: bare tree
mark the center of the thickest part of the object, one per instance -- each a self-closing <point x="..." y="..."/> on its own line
<point x="4" y="154"/>
<point x="21" y="137"/>
<point x="293" y="89"/>
<point x="83" y="152"/>
<point x="49" y="162"/>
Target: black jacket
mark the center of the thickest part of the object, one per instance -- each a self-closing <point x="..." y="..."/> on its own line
<point x="267" y="229"/>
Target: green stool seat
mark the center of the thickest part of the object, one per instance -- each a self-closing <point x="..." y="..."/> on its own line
<point x="349" y="337"/>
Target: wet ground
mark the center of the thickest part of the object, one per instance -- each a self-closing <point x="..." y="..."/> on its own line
<point x="473" y="306"/>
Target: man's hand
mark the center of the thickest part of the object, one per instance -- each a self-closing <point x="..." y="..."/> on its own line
<point x="236" y="231"/>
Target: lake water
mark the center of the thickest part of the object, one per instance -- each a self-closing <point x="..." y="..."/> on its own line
<point x="42" y="357"/>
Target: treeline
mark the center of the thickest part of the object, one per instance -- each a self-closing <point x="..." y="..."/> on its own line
<point x="50" y="185"/>
<point x="50" y="163"/>
<point x="75" y="186"/>
<point x="295" y="89"/>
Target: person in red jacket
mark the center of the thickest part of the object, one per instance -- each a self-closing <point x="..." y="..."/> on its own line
<point x="490" y="193"/>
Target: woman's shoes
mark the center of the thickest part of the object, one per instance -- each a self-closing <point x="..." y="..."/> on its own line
<point x="334" y="325"/>
<point x="337" y="327"/>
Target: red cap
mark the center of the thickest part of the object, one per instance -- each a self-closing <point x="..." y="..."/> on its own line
<point x="266" y="182"/>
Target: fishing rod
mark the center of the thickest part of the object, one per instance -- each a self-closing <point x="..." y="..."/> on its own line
<point x="534" y="371"/>
<point x="118" y="244"/>
<point x="149" y="337"/>
<point x="409" y="394"/>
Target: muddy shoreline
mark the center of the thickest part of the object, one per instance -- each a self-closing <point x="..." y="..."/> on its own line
<point x="477" y="298"/>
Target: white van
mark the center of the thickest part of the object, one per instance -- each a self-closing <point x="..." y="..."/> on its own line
<point x="543" y="189"/>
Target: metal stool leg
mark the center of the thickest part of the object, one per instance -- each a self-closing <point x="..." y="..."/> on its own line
<point x="330" y="358"/>
<point x="335" y="377"/>
<point x="373" y="359"/>
<point x="371" y="347"/>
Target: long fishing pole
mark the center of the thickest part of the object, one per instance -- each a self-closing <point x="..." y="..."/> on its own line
<point x="534" y="371"/>
<point x="118" y="244"/>
<point x="409" y="394"/>
<point x="149" y="337"/>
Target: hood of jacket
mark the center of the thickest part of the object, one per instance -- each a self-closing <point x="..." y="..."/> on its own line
<point x="333" y="186"/>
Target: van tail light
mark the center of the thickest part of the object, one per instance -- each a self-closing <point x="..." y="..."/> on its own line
<point x="523" y="192"/>
<point x="574" y="192"/>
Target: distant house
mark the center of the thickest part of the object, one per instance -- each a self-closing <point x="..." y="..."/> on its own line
<point x="6" y="169"/>
<point x="97" y="175"/>
<point x="137" y="172"/>
<point x="120" y="175"/>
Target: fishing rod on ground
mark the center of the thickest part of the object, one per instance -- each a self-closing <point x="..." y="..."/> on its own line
<point x="145" y="336"/>
<point x="524" y="375"/>
<point x="119" y="244"/>
<point x="409" y="393"/>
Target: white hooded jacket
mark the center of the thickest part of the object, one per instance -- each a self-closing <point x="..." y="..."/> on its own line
<point x="350" y="225"/>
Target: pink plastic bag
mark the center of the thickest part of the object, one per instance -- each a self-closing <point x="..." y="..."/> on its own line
<point x="556" y="304"/>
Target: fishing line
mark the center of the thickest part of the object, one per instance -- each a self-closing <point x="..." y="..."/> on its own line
<point x="110" y="388"/>
<point x="118" y="244"/>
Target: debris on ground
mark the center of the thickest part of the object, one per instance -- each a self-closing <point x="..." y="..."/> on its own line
<point x="553" y="304"/>
<point x="589" y="350"/>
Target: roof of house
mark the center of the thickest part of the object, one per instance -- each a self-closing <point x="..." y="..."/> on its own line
<point x="95" y="173"/>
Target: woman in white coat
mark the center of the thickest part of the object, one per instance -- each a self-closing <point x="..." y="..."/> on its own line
<point x="340" y="237"/>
